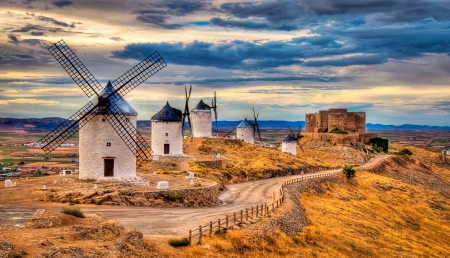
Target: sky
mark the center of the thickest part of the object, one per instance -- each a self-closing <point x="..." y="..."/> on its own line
<point x="389" y="58"/>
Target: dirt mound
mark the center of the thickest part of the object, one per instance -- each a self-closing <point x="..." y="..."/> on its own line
<point x="7" y="250"/>
<point x="107" y="231"/>
<point x="411" y="171"/>
<point x="56" y="252"/>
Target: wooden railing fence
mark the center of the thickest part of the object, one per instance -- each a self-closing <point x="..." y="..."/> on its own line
<point x="242" y="216"/>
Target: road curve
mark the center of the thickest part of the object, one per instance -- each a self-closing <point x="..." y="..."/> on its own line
<point x="175" y="221"/>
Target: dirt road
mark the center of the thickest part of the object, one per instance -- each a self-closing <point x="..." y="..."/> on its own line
<point x="173" y="221"/>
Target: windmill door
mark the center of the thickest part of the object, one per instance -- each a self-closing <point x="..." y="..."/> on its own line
<point x="166" y="149"/>
<point x="109" y="167"/>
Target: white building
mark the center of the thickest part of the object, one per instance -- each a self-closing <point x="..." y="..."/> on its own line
<point x="103" y="154"/>
<point x="201" y="120"/>
<point x="448" y="152"/>
<point x="289" y="145"/>
<point x="167" y="137"/>
<point x="244" y="132"/>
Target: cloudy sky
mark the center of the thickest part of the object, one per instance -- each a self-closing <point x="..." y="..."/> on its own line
<point x="389" y="58"/>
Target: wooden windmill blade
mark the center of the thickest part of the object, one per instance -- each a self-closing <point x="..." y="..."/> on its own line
<point x="256" y="125"/>
<point x="75" y="68"/>
<point x="296" y="137"/>
<point x="128" y="133"/>
<point x="214" y="107"/>
<point x="138" y="74"/>
<point x="64" y="131"/>
<point x="186" y="112"/>
<point x="229" y="132"/>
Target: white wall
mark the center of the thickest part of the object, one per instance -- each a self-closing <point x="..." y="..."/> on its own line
<point x="201" y="124"/>
<point x="173" y="137"/>
<point x="245" y="134"/>
<point x="92" y="147"/>
<point x="289" y="147"/>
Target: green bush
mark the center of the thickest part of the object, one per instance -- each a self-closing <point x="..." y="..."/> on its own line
<point x="337" y="131"/>
<point x="405" y="151"/>
<point x="74" y="211"/>
<point x="349" y="172"/>
<point x="178" y="242"/>
<point x="174" y="196"/>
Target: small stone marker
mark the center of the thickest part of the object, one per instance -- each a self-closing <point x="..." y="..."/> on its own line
<point x="14" y="183"/>
<point x="8" y="183"/>
<point x="155" y="157"/>
<point x="162" y="185"/>
<point x="154" y="173"/>
<point x="189" y="175"/>
<point x="44" y="187"/>
<point x="95" y="186"/>
<point x="315" y="157"/>
<point x="192" y="181"/>
<point x="218" y="155"/>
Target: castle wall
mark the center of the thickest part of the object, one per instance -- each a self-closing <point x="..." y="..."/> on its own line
<point x="360" y="122"/>
<point x="310" y="123"/>
<point x="201" y="124"/>
<point x="93" y="139"/>
<point x="289" y="147"/>
<point x="324" y="121"/>
<point x="245" y="134"/>
<point x="167" y="133"/>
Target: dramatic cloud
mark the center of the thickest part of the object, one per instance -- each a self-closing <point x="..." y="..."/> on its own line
<point x="62" y="3"/>
<point x="247" y="25"/>
<point x="159" y="13"/>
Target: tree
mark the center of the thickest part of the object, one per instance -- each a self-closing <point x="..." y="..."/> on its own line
<point x="349" y="172"/>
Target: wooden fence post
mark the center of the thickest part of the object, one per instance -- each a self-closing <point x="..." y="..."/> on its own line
<point x="241" y="217"/>
<point x="226" y="223"/>
<point x="252" y="213"/>
<point x="218" y="224"/>
<point x="234" y="218"/>
<point x="246" y="214"/>
<point x="273" y="206"/>
<point x="256" y="210"/>
<point x="200" y="234"/>
<point x="190" y="236"/>
<point x="210" y="229"/>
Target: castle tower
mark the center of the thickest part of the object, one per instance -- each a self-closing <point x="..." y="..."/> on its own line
<point x="102" y="153"/>
<point x="244" y="132"/>
<point x="289" y="145"/>
<point x="167" y="137"/>
<point x="201" y="120"/>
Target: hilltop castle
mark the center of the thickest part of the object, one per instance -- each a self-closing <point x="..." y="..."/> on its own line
<point x="351" y="126"/>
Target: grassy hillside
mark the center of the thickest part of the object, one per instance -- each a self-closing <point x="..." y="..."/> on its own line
<point x="252" y="162"/>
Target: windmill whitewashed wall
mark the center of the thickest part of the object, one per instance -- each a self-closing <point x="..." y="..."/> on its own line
<point x="244" y="132"/>
<point x="201" y="120"/>
<point x="99" y="144"/>
<point x="167" y="131"/>
<point x="289" y="145"/>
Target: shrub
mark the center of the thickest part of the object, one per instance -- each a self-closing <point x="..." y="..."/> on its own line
<point x="74" y="211"/>
<point x="405" y="151"/>
<point x="179" y="242"/>
<point x="349" y="172"/>
<point x="337" y="131"/>
<point x="174" y="196"/>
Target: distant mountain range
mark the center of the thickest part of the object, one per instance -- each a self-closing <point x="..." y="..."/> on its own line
<point x="45" y="124"/>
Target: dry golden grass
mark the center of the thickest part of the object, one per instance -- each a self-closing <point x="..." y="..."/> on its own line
<point x="250" y="162"/>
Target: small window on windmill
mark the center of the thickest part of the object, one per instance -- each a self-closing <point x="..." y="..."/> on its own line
<point x="189" y="175"/>
<point x="108" y="144"/>
<point x="167" y="134"/>
<point x="103" y="120"/>
<point x="162" y="185"/>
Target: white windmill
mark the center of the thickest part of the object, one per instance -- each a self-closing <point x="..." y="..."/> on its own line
<point x="167" y="135"/>
<point x="107" y="124"/>
<point x="246" y="130"/>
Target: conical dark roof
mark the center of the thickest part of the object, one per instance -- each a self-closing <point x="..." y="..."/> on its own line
<point x="168" y="113"/>
<point x="245" y="124"/>
<point x="202" y="106"/>
<point x="289" y="138"/>
<point x="123" y="105"/>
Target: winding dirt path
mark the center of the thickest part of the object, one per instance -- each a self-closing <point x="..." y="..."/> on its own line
<point x="174" y="221"/>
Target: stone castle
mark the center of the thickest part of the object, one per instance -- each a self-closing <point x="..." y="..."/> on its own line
<point x="319" y="125"/>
